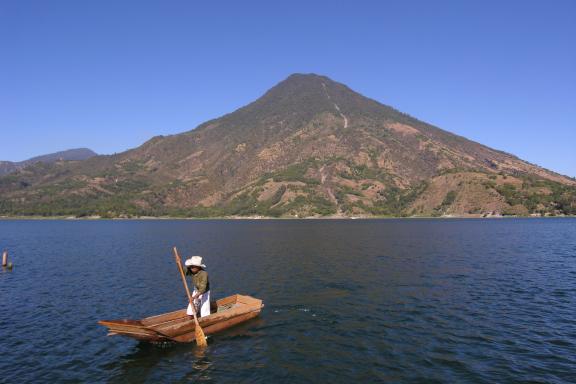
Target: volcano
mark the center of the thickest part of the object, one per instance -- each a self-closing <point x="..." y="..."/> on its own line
<point x="308" y="147"/>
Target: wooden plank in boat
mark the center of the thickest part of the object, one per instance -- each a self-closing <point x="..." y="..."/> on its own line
<point x="126" y="328"/>
<point x="182" y="312"/>
<point x="178" y="326"/>
<point x="175" y="329"/>
<point x="217" y="327"/>
<point x="128" y="322"/>
<point x="227" y="300"/>
<point x="164" y="317"/>
<point x="231" y="322"/>
<point x="248" y="300"/>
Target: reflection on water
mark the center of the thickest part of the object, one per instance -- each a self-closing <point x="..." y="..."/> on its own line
<point x="375" y="300"/>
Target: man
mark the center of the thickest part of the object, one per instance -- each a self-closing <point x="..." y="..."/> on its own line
<point x="201" y="294"/>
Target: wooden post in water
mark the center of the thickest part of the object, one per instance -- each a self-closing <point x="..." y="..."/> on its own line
<point x="5" y="258"/>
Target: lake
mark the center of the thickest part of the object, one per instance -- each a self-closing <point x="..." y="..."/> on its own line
<point x="406" y="301"/>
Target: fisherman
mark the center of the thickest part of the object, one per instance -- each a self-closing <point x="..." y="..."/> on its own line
<point x="201" y="294"/>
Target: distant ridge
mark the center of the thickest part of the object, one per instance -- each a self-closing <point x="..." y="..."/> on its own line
<point x="309" y="147"/>
<point x="70" y="154"/>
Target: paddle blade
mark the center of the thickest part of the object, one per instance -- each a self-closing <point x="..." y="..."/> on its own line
<point x="200" y="338"/>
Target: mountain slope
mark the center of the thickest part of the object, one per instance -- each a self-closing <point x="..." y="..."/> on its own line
<point x="310" y="146"/>
<point x="76" y="154"/>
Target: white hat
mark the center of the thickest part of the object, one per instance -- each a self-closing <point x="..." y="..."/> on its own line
<point x="195" y="261"/>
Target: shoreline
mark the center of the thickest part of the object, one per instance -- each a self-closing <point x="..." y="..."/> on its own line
<point x="160" y="218"/>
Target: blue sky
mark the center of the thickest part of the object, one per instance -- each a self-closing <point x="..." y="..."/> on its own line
<point x="109" y="75"/>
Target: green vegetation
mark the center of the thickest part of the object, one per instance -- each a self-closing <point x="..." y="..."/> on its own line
<point x="510" y="193"/>
<point x="449" y="199"/>
<point x="361" y="171"/>
<point x="539" y="196"/>
<point x="134" y="196"/>
<point x="391" y="201"/>
<point x="247" y="204"/>
<point x="446" y="203"/>
<point x="110" y="200"/>
<point x="294" y="172"/>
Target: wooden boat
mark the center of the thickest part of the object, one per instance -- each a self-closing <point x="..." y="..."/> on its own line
<point x="177" y="326"/>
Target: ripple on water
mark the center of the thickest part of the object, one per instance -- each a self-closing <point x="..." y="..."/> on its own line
<point x="367" y="301"/>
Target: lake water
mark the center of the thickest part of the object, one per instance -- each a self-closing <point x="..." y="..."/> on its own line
<point x="408" y="301"/>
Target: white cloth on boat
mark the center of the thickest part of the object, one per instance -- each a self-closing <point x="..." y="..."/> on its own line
<point x="204" y="301"/>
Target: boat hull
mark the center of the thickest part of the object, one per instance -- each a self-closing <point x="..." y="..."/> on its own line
<point x="179" y="327"/>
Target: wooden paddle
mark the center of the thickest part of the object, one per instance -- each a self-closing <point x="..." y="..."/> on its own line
<point x="199" y="333"/>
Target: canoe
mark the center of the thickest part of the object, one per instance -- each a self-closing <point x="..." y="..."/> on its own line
<point x="179" y="327"/>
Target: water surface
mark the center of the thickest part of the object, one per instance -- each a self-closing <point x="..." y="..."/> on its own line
<point x="409" y="301"/>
